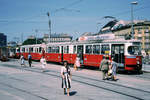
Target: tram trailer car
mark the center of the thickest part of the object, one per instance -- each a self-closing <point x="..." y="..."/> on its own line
<point x="34" y="50"/>
<point x="17" y="53"/>
<point x="125" y="52"/>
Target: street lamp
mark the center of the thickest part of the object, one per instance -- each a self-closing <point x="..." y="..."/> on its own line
<point x="132" y="28"/>
<point x="49" y="23"/>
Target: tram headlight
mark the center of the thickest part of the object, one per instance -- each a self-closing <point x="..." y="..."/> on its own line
<point x="137" y="61"/>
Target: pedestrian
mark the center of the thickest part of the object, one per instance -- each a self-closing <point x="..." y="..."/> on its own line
<point x="77" y="63"/>
<point x="43" y="62"/>
<point x="30" y="59"/>
<point x="22" y="60"/>
<point x="66" y="78"/>
<point x="104" y="67"/>
<point x="114" y="69"/>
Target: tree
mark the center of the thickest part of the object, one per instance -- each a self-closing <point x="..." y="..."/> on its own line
<point x="32" y="41"/>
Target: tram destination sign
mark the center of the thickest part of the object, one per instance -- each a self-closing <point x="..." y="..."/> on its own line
<point x="97" y="37"/>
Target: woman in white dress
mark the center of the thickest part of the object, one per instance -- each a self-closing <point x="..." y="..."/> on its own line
<point x="22" y="60"/>
<point x="66" y="78"/>
<point x="77" y="63"/>
<point x="43" y="62"/>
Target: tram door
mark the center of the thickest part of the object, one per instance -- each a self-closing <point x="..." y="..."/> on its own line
<point x="62" y="51"/>
<point x="117" y="52"/>
<point x="80" y="52"/>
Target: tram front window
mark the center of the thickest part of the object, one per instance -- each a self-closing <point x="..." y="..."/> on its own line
<point x="134" y="50"/>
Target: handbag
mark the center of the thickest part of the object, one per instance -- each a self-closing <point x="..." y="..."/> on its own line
<point x="110" y="72"/>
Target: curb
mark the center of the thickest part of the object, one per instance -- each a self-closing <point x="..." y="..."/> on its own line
<point x="146" y="71"/>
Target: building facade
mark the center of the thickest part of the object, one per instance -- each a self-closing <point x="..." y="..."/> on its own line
<point x="3" y="40"/>
<point x="57" y="38"/>
<point x="141" y="32"/>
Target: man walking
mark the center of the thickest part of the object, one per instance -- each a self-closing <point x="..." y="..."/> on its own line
<point x="29" y="59"/>
<point x="104" y="66"/>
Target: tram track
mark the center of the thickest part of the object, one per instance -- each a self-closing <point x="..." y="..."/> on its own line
<point x="24" y="91"/>
<point x="37" y="70"/>
<point x="19" y="89"/>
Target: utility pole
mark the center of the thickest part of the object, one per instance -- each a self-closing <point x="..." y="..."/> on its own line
<point x="22" y="38"/>
<point x="132" y="27"/>
<point x="49" y="23"/>
<point x="36" y="31"/>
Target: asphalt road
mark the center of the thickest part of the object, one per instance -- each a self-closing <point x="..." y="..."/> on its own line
<point x="24" y="83"/>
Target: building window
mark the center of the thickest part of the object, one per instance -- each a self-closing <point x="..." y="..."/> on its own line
<point x="139" y="38"/>
<point x="146" y="30"/>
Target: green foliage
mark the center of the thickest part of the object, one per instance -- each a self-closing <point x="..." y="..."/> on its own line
<point x="32" y="41"/>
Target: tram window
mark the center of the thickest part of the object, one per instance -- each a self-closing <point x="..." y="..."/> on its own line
<point x="31" y="49"/>
<point x="36" y="50"/>
<point x="105" y="48"/>
<point x="23" y="49"/>
<point x="89" y="49"/>
<point x="57" y="49"/>
<point x="53" y="50"/>
<point x="134" y="50"/>
<point x="49" y="49"/>
<point x="96" y="49"/>
<point x="66" y="49"/>
<point x="18" y="50"/>
<point x="117" y="50"/>
<point x="122" y="49"/>
<point x="40" y="49"/>
<point x="74" y="49"/>
<point x="27" y="49"/>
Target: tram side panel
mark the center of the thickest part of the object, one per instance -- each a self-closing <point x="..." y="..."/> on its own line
<point x="92" y="60"/>
<point x="53" y="54"/>
<point x="92" y="56"/>
<point x="36" y="56"/>
<point x="53" y="57"/>
<point x="68" y="54"/>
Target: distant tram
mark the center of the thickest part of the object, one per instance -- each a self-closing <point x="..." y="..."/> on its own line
<point x="125" y="52"/>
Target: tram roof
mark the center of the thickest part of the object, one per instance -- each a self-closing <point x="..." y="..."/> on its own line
<point x="106" y="41"/>
<point x="84" y="42"/>
<point x="58" y="43"/>
<point x="34" y="45"/>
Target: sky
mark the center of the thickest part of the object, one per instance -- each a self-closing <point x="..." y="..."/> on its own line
<point x="29" y="17"/>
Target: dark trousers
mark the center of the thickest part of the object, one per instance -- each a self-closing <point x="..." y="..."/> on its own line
<point x="30" y="61"/>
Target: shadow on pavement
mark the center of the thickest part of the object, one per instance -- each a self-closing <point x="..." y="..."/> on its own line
<point x="73" y="93"/>
<point x="46" y="71"/>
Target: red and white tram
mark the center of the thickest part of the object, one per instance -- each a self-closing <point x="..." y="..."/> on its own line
<point x="125" y="52"/>
<point x="17" y="53"/>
